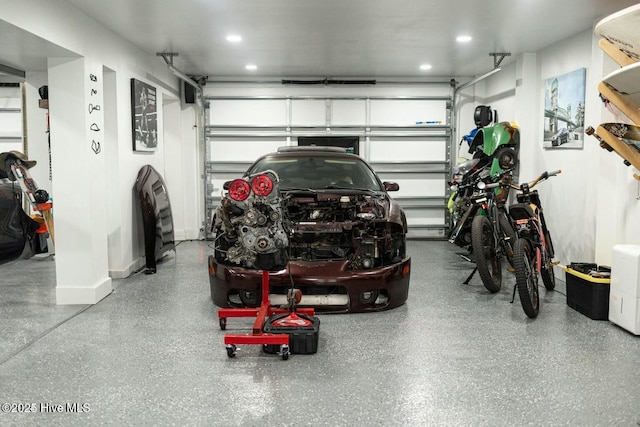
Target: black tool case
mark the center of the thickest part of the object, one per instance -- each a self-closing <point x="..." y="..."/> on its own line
<point x="303" y="339"/>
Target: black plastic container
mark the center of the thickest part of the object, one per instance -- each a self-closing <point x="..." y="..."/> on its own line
<point x="587" y="294"/>
<point x="303" y="338"/>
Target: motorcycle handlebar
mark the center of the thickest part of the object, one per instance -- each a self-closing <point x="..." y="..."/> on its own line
<point x="532" y="184"/>
<point x="544" y="176"/>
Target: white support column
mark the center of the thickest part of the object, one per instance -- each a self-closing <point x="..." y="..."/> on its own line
<point x="527" y="114"/>
<point x="79" y="180"/>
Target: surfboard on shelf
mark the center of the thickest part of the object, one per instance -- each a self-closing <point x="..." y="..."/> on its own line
<point x="622" y="32"/>
<point x="622" y="89"/>
<point x="626" y="81"/>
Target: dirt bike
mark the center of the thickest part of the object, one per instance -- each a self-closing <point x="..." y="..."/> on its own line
<point x="494" y="150"/>
<point x="483" y="226"/>
<point x="492" y="234"/>
<point x="533" y="249"/>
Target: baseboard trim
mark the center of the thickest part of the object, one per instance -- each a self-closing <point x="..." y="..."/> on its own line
<point x="68" y="295"/>
<point x="129" y="270"/>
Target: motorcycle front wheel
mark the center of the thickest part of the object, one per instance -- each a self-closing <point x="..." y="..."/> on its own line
<point x="485" y="253"/>
<point x="524" y="259"/>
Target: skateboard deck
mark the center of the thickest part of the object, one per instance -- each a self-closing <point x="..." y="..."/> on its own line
<point x="627" y="133"/>
<point x="622" y="138"/>
<point x="622" y="29"/>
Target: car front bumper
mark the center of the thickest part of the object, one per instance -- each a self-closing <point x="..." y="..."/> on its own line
<point x="327" y="286"/>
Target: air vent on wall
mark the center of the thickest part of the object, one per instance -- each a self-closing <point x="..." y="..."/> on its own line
<point x="328" y="82"/>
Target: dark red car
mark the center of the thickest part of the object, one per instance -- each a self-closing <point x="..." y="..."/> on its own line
<point x="320" y="220"/>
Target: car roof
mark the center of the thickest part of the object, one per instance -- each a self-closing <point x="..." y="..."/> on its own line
<point x="306" y="151"/>
<point x="321" y="152"/>
<point x="307" y="148"/>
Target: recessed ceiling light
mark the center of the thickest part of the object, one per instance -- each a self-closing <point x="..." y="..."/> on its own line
<point x="234" y="38"/>
<point x="251" y="67"/>
<point x="463" y="39"/>
<point x="425" y="67"/>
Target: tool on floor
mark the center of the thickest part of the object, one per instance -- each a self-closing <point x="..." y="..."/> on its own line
<point x="280" y="330"/>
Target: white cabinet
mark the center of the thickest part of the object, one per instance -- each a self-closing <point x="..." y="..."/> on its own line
<point x="624" y="294"/>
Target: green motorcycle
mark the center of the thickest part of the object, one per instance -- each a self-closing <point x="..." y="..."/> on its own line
<point x="494" y="151"/>
<point x="492" y="233"/>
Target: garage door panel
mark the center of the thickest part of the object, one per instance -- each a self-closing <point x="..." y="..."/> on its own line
<point x="236" y="149"/>
<point x="407" y="149"/>
<point x="348" y="112"/>
<point x="425" y="217"/>
<point x="418" y="187"/>
<point x="388" y="112"/>
<point x="242" y="112"/>
<point x="308" y="112"/>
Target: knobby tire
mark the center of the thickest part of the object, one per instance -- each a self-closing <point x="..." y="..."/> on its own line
<point x="485" y="254"/>
<point x="526" y="277"/>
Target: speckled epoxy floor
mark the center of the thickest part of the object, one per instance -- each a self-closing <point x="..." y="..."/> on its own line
<point x="152" y="353"/>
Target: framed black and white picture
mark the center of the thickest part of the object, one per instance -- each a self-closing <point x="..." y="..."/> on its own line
<point x="144" y="116"/>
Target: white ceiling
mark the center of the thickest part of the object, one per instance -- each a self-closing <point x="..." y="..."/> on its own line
<point x="24" y="51"/>
<point x="329" y="38"/>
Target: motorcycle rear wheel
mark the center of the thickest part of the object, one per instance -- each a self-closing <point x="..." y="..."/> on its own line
<point x="546" y="271"/>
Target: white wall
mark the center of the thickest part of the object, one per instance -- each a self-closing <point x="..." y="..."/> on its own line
<point x="59" y="23"/>
<point x="592" y="205"/>
<point x="37" y="136"/>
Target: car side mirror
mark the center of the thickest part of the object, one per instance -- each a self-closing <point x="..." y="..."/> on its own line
<point x="391" y="186"/>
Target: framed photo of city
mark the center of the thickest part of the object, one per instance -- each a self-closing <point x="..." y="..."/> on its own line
<point x="144" y="116"/>
<point x="564" y="98"/>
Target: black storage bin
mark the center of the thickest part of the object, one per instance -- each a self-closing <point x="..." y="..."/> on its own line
<point x="588" y="289"/>
<point x="302" y="339"/>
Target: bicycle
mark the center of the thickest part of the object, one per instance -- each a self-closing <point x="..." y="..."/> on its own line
<point x="492" y="235"/>
<point x="533" y="249"/>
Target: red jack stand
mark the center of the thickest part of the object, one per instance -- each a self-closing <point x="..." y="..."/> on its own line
<point x="257" y="335"/>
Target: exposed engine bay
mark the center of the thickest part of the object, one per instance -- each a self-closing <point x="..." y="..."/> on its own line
<point x="258" y="226"/>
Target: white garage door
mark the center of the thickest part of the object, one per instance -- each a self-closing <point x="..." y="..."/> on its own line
<point x="406" y="139"/>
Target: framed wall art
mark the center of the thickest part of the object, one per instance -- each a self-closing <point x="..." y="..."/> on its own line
<point x="144" y="116"/>
<point x="564" y="98"/>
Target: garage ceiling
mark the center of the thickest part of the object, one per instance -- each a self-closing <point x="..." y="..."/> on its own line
<point x="339" y="38"/>
<point x="22" y="51"/>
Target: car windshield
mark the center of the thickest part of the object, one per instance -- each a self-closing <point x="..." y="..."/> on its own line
<point x="319" y="172"/>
